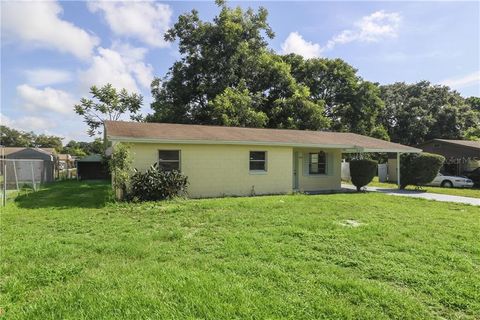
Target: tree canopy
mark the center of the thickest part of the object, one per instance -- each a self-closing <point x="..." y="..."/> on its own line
<point x="228" y="76"/>
<point x="107" y="104"/>
<point x="10" y="137"/>
<point x="418" y="112"/>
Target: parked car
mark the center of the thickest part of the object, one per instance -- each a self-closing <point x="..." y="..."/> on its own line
<point x="451" y="181"/>
<point x="474" y="175"/>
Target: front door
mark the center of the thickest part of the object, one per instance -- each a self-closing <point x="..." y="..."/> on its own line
<point x="295" y="170"/>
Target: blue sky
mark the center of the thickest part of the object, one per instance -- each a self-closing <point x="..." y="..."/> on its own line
<point x="51" y="52"/>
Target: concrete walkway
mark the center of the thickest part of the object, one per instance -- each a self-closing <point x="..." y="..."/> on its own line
<point x="420" y="194"/>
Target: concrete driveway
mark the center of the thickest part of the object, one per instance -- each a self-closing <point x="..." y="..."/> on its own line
<point x="420" y="194"/>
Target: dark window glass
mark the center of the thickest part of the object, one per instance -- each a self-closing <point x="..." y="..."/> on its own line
<point x="258" y="161"/>
<point x="257" y="155"/>
<point x="166" y="155"/>
<point x="169" y="160"/>
<point x="317" y="163"/>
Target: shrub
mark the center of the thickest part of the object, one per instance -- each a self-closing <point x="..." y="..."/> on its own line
<point x="120" y="165"/>
<point x="362" y="172"/>
<point x="419" y="168"/>
<point x="155" y="184"/>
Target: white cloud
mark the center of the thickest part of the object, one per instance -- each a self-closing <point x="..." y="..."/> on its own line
<point x="38" y="23"/>
<point x="46" y="99"/>
<point x="43" y="77"/>
<point x="145" y="21"/>
<point x="464" y="81"/>
<point x="122" y="66"/>
<point x="296" y="44"/>
<point x="372" y="28"/>
<point x="28" y="123"/>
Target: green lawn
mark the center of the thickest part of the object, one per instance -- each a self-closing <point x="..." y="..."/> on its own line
<point x="464" y="192"/>
<point x="68" y="253"/>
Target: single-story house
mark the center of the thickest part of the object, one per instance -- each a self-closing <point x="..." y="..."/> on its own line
<point x="44" y="171"/>
<point x="92" y="167"/>
<point x="236" y="161"/>
<point x="460" y="155"/>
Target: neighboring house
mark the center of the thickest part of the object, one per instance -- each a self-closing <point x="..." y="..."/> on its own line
<point x="65" y="161"/>
<point x="460" y="155"/>
<point x="43" y="171"/>
<point x="92" y="168"/>
<point x="243" y="161"/>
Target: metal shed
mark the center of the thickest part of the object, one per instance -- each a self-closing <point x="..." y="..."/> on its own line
<point x="45" y="172"/>
<point x="92" y="167"/>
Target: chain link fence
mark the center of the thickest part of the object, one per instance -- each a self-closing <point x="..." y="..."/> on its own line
<point x="21" y="175"/>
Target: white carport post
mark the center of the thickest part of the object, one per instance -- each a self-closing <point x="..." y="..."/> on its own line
<point x="398" y="169"/>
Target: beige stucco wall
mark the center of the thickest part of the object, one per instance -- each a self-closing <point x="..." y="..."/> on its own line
<point x="222" y="170"/>
<point x="329" y="181"/>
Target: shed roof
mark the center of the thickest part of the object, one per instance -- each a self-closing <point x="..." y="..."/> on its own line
<point x="91" y="158"/>
<point x="10" y="150"/>
<point x="201" y="134"/>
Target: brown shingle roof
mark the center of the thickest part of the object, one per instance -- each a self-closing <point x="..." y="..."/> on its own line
<point x="465" y="143"/>
<point x="186" y="133"/>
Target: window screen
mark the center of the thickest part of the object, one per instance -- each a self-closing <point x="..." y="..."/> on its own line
<point x="258" y="161"/>
<point x="317" y="163"/>
<point x="169" y="160"/>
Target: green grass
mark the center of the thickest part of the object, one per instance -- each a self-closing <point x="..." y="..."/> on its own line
<point x="463" y="192"/>
<point x="67" y="253"/>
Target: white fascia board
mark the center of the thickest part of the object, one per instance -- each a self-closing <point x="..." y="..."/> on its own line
<point x="412" y="150"/>
<point x="259" y="143"/>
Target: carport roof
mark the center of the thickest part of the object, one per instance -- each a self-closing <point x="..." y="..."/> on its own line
<point x="124" y="131"/>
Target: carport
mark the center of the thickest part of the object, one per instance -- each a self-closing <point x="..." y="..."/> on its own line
<point x="394" y="151"/>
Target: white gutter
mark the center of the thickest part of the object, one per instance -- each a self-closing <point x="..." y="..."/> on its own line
<point x="410" y="150"/>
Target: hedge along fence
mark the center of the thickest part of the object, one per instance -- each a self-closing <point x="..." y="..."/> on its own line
<point x="362" y="172"/>
<point x="419" y="168"/>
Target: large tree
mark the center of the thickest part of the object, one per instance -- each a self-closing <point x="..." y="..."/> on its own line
<point x="81" y="148"/>
<point x="46" y="141"/>
<point x="418" y="112"/>
<point x="15" y="138"/>
<point x="351" y="103"/>
<point x="107" y="103"/>
<point x="228" y="76"/>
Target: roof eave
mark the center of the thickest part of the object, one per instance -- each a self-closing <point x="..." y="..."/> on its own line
<point x="227" y="142"/>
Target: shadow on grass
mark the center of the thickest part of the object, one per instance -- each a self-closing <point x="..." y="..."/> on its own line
<point x="67" y="194"/>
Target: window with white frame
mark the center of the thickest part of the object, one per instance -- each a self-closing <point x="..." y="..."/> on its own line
<point x="258" y="161"/>
<point x="317" y="163"/>
<point x="169" y="160"/>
